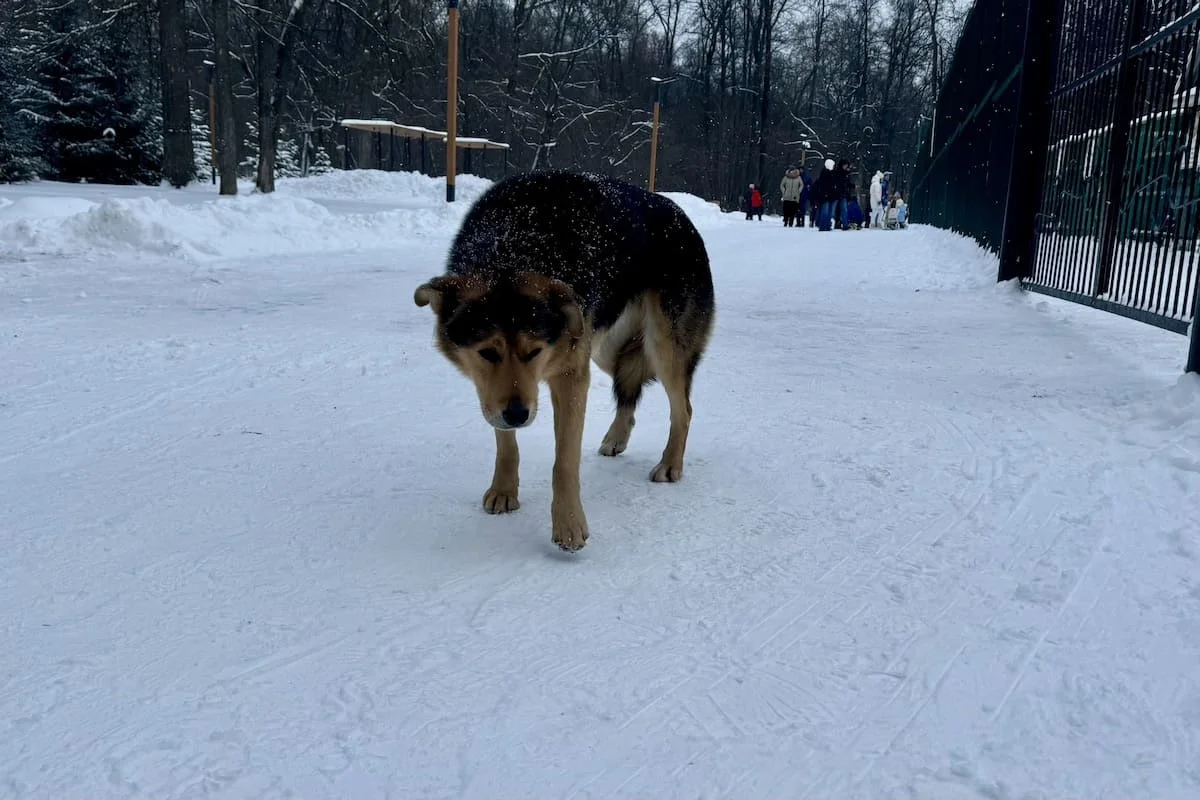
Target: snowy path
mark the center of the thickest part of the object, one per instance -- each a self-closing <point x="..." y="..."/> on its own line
<point x="931" y="544"/>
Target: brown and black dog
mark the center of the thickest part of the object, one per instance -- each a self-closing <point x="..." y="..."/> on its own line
<point x="548" y="271"/>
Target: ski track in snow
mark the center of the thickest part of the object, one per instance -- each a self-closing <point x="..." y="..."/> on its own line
<point x="935" y="540"/>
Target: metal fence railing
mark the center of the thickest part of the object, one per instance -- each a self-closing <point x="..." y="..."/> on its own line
<point x="1102" y="201"/>
<point x="963" y="172"/>
<point x="1119" y="218"/>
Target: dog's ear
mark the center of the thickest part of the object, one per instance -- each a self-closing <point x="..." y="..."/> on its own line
<point x="440" y="292"/>
<point x="562" y="298"/>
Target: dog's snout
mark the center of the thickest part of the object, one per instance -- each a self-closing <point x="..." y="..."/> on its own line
<point x="515" y="413"/>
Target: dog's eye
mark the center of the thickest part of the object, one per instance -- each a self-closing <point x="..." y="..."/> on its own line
<point x="532" y="354"/>
<point x="490" y="354"/>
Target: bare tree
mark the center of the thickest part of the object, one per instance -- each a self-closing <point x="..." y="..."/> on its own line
<point x="565" y="83"/>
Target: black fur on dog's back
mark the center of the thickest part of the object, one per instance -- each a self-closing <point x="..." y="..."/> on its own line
<point x="610" y="241"/>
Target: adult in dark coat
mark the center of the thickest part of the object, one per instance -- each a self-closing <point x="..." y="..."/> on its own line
<point x="828" y="195"/>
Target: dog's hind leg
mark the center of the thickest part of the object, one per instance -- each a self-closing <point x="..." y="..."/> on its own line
<point x="502" y="496"/>
<point x="631" y="371"/>
<point x="673" y="345"/>
<point x="568" y="393"/>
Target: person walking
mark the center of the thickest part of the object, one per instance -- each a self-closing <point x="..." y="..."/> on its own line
<point x="754" y="202"/>
<point x="791" y="188"/>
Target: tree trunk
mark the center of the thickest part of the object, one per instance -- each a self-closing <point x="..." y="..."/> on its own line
<point x="179" y="159"/>
<point x="766" y="9"/>
<point x="268" y="127"/>
<point x="227" y="156"/>
<point x="274" y="71"/>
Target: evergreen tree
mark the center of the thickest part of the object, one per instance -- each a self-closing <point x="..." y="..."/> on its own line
<point x="18" y="149"/>
<point x="97" y="123"/>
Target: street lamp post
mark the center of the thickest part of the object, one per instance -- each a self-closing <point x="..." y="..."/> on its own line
<point x="451" y="99"/>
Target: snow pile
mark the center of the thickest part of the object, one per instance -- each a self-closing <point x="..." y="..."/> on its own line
<point x="954" y="262"/>
<point x="23" y="208"/>
<point x="703" y="214"/>
<point x="338" y="211"/>
<point x="1175" y="411"/>
<point x="372" y="185"/>
<point x="292" y="220"/>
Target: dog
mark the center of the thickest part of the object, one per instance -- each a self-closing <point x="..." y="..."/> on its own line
<point x="548" y="272"/>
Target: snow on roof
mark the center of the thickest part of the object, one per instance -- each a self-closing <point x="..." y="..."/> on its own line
<point x="387" y="126"/>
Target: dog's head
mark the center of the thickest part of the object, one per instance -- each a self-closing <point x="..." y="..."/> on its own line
<point x="506" y="336"/>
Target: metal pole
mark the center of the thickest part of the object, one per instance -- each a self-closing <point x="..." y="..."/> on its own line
<point x="452" y="100"/>
<point x="1193" y="358"/>
<point x="1124" y="107"/>
<point x="1027" y="172"/>
<point x="654" y="137"/>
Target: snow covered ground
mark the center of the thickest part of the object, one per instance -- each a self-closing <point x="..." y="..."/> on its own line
<point x="936" y="540"/>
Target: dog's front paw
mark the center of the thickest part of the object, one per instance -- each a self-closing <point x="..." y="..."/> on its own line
<point x="497" y="501"/>
<point x="570" y="528"/>
<point x="666" y="473"/>
<point x="613" y="447"/>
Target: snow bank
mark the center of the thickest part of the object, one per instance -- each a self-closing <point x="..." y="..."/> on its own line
<point x="378" y="186"/>
<point x="338" y="211"/>
<point x="302" y="216"/>
<point x="703" y="214"/>
<point x="1176" y="410"/>
<point x="954" y="261"/>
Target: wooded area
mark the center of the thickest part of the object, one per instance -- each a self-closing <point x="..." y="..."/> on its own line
<point x="118" y="90"/>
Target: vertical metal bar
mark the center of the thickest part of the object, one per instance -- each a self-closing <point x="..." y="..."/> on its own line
<point x="423" y="150"/>
<point x="451" y="99"/>
<point x="1193" y="358"/>
<point x="1189" y="189"/>
<point x="1130" y="271"/>
<point x="654" y="143"/>
<point x="1119" y="146"/>
<point x="1179" y="189"/>
<point x="1152" y="176"/>
<point x="1018" y="243"/>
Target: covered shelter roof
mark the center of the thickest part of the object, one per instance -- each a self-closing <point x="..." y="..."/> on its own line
<point x="415" y="132"/>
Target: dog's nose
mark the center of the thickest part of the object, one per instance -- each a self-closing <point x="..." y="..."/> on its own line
<point x="515" y="414"/>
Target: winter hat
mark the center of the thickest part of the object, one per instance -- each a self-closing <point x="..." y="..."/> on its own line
<point x="829" y="163"/>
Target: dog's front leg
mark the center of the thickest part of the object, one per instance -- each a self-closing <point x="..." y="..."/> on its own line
<point x="568" y="392"/>
<point x="502" y="496"/>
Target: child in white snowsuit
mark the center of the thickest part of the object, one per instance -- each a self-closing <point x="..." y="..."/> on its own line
<point x="878" y="201"/>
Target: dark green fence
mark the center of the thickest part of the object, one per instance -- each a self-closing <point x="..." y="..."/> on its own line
<point x="1067" y="139"/>
<point x="966" y="162"/>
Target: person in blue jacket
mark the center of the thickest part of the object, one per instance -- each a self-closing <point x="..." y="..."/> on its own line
<point x="805" y="196"/>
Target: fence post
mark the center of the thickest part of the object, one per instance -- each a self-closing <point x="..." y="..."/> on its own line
<point x="1193" y="358"/>
<point x="1027" y="175"/>
<point x="1123" y="111"/>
